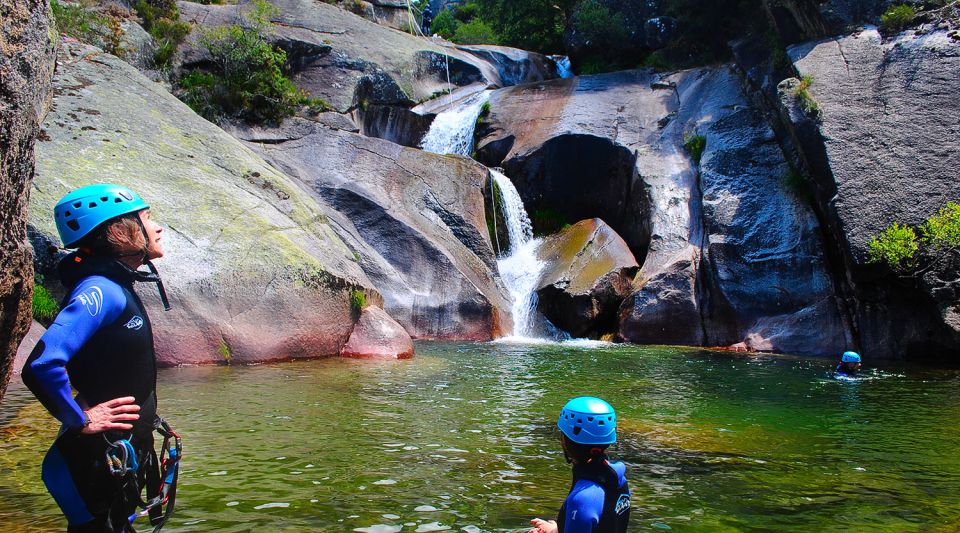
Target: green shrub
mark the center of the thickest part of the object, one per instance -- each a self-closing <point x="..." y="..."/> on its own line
<point x="941" y="232"/>
<point x="358" y="300"/>
<point x="474" y="32"/>
<point x="168" y="34"/>
<point x="897" y="18"/>
<point x="153" y="10"/>
<point x="896" y="246"/>
<point x="594" y="65"/>
<point x="45" y="306"/>
<point x="695" y="145"/>
<point x="75" y="21"/>
<point x="444" y="24"/>
<point x="797" y="184"/>
<point x="466" y="12"/>
<point x="247" y="81"/>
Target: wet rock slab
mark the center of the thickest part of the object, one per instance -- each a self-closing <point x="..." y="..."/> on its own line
<point x="377" y="336"/>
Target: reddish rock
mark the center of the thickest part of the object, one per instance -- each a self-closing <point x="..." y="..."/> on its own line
<point x="377" y="336"/>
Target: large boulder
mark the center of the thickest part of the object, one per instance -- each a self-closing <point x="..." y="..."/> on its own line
<point x="353" y="63"/>
<point x="588" y="272"/>
<point x="27" y="53"/>
<point x="377" y="336"/>
<point x="27" y="345"/>
<point x="884" y="151"/>
<point x="414" y="220"/>
<point x="728" y="238"/>
<point x="254" y="270"/>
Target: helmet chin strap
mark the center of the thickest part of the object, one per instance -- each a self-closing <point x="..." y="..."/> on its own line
<point x="154" y="275"/>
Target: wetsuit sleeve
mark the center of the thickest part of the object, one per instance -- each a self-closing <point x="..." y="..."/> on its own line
<point x="583" y="508"/>
<point x="96" y="302"/>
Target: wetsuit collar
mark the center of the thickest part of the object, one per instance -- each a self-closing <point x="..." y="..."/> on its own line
<point x="79" y="265"/>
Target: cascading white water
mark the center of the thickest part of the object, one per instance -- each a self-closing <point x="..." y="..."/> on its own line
<point x="520" y="268"/>
<point x="452" y="131"/>
<point x="563" y="66"/>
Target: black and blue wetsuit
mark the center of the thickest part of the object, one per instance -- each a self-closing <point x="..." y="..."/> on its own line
<point x="599" y="500"/>
<point x="101" y="343"/>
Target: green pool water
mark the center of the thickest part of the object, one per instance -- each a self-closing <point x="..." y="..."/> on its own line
<point x="462" y="437"/>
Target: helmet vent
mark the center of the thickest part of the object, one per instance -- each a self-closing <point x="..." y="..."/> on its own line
<point x="103" y="198"/>
<point x="66" y="213"/>
<point x="590" y="418"/>
<point x="576" y="430"/>
<point x="77" y="204"/>
<point x="600" y="422"/>
<point x="117" y="200"/>
<point x="72" y="224"/>
<point x="92" y="204"/>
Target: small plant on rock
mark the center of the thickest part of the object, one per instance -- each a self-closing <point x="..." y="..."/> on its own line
<point x="45" y="306"/>
<point x="899" y="247"/>
<point x="807" y="102"/>
<point x="897" y="18"/>
<point x="695" y="145"/>
<point x="358" y="301"/>
<point x="896" y="246"/>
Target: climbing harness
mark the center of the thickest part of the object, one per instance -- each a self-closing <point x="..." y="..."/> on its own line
<point x="121" y="459"/>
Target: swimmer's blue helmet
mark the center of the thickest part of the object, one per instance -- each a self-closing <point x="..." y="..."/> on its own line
<point x="588" y="420"/>
<point x="850" y="357"/>
<point x="81" y="211"/>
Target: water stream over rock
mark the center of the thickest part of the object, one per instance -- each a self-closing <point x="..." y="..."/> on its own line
<point x="452" y="130"/>
<point x="520" y="267"/>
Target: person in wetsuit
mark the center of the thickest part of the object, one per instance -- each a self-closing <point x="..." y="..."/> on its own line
<point x="849" y="363"/>
<point x="599" y="498"/>
<point x="101" y="344"/>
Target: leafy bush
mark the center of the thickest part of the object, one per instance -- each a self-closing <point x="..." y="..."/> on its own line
<point x="168" y="34"/>
<point x="897" y="18"/>
<point x="444" y="24"/>
<point x="247" y="81"/>
<point x="45" y="306"/>
<point x="658" y="61"/>
<point x="153" y="10"/>
<point x="474" y="32"/>
<point x="807" y="102"/>
<point x="695" y="145"/>
<point x="466" y="12"/>
<point x="75" y="21"/>
<point x="896" y="246"/>
<point x="942" y="231"/>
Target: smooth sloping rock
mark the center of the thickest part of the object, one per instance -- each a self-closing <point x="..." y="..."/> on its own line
<point x="29" y="341"/>
<point x="729" y="240"/>
<point x="27" y="48"/>
<point x="588" y="273"/>
<point x="414" y="220"/>
<point x="377" y="336"/>
<point x="253" y="269"/>
<point x="886" y="152"/>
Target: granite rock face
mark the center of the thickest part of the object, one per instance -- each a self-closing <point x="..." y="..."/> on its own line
<point x="588" y="273"/>
<point x="253" y="269"/>
<point x="414" y="222"/>
<point x="27" y="54"/>
<point x="377" y="336"/>
<point x="722" y="244"/>
<point x="352" y="62"/>
<point x="886" y="152"/>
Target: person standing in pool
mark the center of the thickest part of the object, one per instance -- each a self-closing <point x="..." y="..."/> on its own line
<point x="101" y="344"/>
<point x="599" y="498"/>
<point x="849" y="363"/>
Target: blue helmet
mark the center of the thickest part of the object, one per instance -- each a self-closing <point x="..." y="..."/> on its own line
<point x="588" y="420"/>
<point x="850" y="357"/>
<point x="80" y="211"/>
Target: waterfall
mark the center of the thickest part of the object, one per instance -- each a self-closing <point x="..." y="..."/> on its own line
<point x="452" y="131"/>
<point x="520" y="268"/>
<point x="563" y="66"/>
